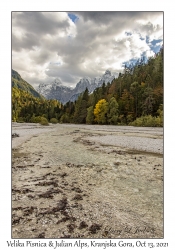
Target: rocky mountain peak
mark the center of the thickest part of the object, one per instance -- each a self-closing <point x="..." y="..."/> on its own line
<point x="107" y="73"/>
<point x="56" y="90"/>
<point x="56" y="82"/>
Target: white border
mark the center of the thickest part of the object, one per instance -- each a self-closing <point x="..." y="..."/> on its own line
<point x="5" y="97"/>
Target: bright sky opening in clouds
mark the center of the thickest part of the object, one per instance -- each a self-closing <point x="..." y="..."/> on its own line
<point x="72" y="45"/>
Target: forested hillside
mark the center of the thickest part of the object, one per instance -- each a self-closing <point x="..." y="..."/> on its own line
<point x="28" y="105"/>
<point x="19" y="83"/>
<point x="134" y="98"/>
<point x="27" y="108"/>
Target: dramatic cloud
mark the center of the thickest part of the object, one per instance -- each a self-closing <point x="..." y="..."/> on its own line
<point x="72" y="45"/>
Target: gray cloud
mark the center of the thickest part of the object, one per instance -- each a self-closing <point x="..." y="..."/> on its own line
<point x="51" y="45"/>
<point x="103" y="17"/>
<point x="39" y="23"/>
<point x="28" y="42"/>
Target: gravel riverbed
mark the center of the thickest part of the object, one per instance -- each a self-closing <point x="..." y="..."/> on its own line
<point x="87" y="181"/>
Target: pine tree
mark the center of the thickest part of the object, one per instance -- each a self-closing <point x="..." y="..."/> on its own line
<point x="113" y="111"/>
<point x="90" y="115"/>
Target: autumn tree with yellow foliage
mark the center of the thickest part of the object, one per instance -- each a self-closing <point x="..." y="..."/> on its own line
<point x="100" y="111"/>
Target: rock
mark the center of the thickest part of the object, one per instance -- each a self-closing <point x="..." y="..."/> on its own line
<point x="66" y="236"/>
<point x="77" y="189"/>
<point x="47" y="194"/>
<point x="15" y="220"/>
<point x="57" y="90"/>
<point x="117" y="163"/>
<point x="63" y="219"/>
<point x="83" y="225"/>
<point x="94" y="227"/>
<point x="62" y="204"/>
<point x="15" y="135"/>
<point x="71" y="227"/>
<point x="63" y="175"/>
<point x="41" y="235"/>
<point x="78" y="197"/>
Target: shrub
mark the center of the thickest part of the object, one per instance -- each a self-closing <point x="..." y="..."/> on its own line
<point x="122" y="120"/>
<point x="44" y="121"/>
<point x="45" y="115"/>
<point x="64" y="119"/>
<point x="53" y="120"/>
<point x="147" y="121"/>
<point x="129" y="118"/>
<point x="20" y="119"/>
<point x="35" y="119"/>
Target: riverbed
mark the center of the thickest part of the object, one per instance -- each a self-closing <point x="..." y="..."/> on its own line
<point x="87" y="181"/>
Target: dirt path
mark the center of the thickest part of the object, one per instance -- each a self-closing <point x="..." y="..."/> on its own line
<point x="67" y="183"/>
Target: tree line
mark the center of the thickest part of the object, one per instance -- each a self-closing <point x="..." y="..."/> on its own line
<point x="27" y="108"/>
<point x="134" y="98"/>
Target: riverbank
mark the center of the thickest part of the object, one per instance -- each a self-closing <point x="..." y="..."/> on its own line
<point x="87" y="181"/>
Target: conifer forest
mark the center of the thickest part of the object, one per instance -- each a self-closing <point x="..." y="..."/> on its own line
<point x="134" y="98"/>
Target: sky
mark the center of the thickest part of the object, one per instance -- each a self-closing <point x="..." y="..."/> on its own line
<point x="73" y="45"/>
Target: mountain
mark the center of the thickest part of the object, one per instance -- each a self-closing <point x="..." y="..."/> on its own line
<point x="19" y="83"/>
<point x="56" y="90"/>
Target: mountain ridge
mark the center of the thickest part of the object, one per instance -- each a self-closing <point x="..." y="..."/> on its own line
<point x="56" y="90"/>
<point x="20" y="83"/>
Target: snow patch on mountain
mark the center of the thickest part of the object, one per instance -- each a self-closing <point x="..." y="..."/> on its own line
<point x="56" y="90"/>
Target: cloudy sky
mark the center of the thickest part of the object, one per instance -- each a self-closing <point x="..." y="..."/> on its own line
<point x="72" y="45"/>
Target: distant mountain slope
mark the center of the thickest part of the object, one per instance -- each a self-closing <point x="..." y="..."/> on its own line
<point x="19" y="83"/>
<point x="56" y="90"/>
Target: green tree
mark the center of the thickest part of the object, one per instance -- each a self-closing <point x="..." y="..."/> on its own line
<point x="148" y="101"/>
<point x="126" y="103"/>
<point x="81" y="108"/>
<point x="135" y="91"/>
<point x="85" y="95"/>
<point x="90" y="115"/>
<point x="113" y="111"/>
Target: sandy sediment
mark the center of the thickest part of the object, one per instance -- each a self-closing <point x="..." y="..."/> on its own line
<point x="27" y="131"/>
<point x="87" y="181"/>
